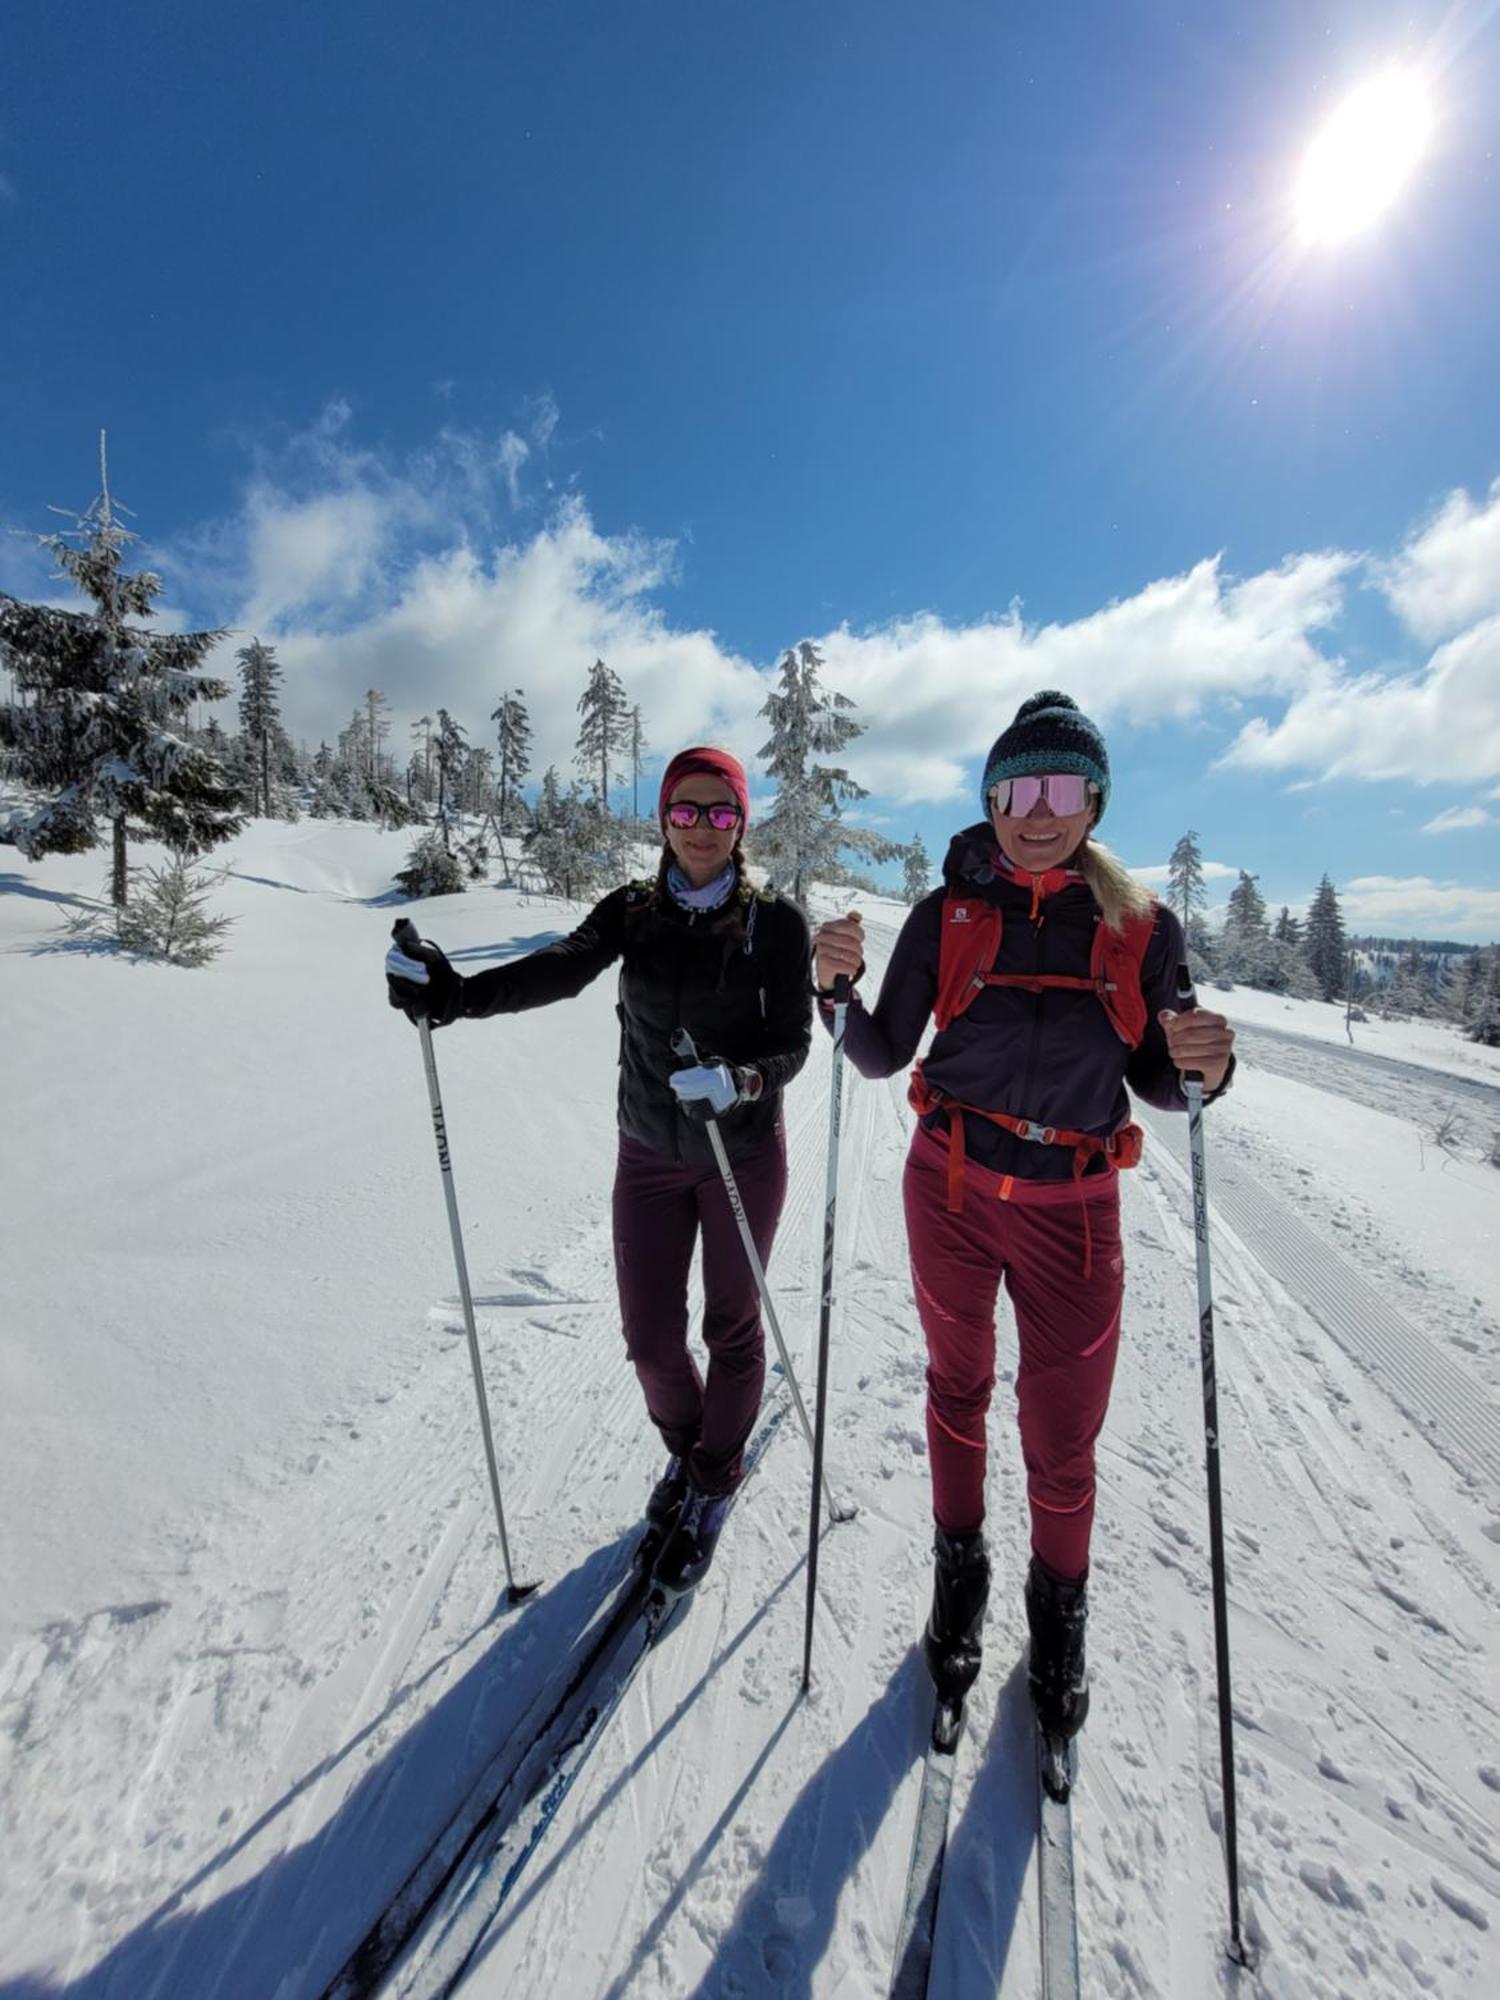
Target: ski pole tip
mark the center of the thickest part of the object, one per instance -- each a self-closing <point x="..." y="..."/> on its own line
<point x="517" y="1593"/>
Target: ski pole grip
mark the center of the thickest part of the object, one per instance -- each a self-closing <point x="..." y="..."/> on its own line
<point x="684" y="1045"/>
<point x="406" y="934"/>
<point x="841" y="990"/>
<point x="1186" y="997"/>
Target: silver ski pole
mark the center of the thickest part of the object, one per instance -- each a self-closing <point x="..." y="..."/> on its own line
<point x="1192" y="1085"/>
<point x="825" y="1312"/>
<point x="406" y="935"/>
<point x="683" y="1045"/>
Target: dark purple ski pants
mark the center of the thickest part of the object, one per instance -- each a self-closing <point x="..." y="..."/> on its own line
<point x="660" y="1211"/>
<point x="1031" y="1235"/>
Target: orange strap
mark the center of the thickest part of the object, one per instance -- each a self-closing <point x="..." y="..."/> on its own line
<point x="1121" y="1149"/>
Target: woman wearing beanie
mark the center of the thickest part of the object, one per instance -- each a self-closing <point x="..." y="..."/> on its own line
<point x="699" y="948"/>
<point x="1053" y="980"/>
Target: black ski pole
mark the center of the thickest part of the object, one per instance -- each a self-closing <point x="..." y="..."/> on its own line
<point x="406" y="936"/>
<point x="684" y="1045"/>
<point x="825" y="1312"/>
<point x="1192" y="1084"/>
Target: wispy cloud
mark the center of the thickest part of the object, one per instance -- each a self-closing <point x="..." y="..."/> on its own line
<point x="1155" y="877"/>
<point x="1459" y="819"/>
<point x="1417" y="906"/>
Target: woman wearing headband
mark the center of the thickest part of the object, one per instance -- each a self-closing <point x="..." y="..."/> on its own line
<point x="699" y="948"/>
<point x="1055" y="981"/>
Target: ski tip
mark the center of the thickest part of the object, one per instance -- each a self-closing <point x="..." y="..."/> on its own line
<point x="517" y="1593"/>
<point x="1055" y="1754"/>
<point x="947" y="1725"/>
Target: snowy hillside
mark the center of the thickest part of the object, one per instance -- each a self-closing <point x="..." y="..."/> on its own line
<point x="250" y="1653"/>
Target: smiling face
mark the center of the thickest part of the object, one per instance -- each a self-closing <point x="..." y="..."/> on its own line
<point x="1043" y="839"/>
<point x="701" y="851"/>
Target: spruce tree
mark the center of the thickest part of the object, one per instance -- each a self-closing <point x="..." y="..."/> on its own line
<point x="605" y="730"/>
<point x="1185" y="889"/>
<point x="1324" y="945"/>
<point x="514" y="726"/>
<point x="638" y="748"/>
<point x="260" y="714"/>
<point x="451" y="750"/>
<point x="918" y="870"/>
<point x="1246" y="952"/>
<point x="803" y="834"/>
<point x="100" y="727"/>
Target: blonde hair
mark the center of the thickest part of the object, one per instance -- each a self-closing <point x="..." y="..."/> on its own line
<point x="1112" y="885"/>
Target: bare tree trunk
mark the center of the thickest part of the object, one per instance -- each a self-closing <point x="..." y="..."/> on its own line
<point x="120" y="878"/>
<point x="265" y="772"/>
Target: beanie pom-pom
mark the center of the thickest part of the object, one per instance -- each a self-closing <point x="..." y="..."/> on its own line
<point x="1048" y="698"/>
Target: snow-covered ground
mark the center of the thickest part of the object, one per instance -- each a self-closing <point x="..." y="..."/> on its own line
<point x="250" y="1655"/>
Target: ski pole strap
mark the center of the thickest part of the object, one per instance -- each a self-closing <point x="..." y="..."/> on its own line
<point x="1120" y="1149"/>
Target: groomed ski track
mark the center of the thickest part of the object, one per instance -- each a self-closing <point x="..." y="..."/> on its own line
<point x="297" y="1716"/>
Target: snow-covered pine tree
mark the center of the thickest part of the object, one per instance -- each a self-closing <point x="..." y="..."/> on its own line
<point x="1324" y="945"/>
<point x="514" y="727"/>
<point x="803" y="834"/>
<point x="918" y="870"/>
<point x="431" y="869"/>
<point x="574" y="843"/>
<point x="378" y="727"/>
<point x="419" y="771"/>
<point x="451" y="750"/>
<point x="99" y="726"/>
<point x="260" y="712"/>
<point x="638" y="748"/>
<point x="1185" y="888"/>
<point x="1484" y="1023"/>
<point x="1245" y="953"/>
<point x="1411" y="991"/>
<point x="604" y="733"/>
<point x="1288" y="929"/>
<point x="167" y="919"/>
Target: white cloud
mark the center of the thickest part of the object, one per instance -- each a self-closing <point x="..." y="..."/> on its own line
<point x="1457" y="819"/>
<point x="414" y="576"/>
<point x="1448" y="575"/>
<point x="1416" y="906"/>
<point x="1155" y="877"/>
<point x="936" y="696"/>
<point x="1441" y="723"/>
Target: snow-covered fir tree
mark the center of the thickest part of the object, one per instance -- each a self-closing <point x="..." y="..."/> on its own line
<point x="514" y="727"/>
<point x="431" y="868"/>
<point x="1245" y="952"/>
<point x="1186" y="892"/>
<point x="573" y="844"/>
<point x="260" y="712"/>
<point x="1324" y="944"/>
<point x="98" y="732"/>
<point x="803" y="834"/>
<point x="918" y="870"/>
<point x="166" y="919"/>
<point x="450" y="753"/>
<point x="604" y="733"/>
<point x="638" y="748"/>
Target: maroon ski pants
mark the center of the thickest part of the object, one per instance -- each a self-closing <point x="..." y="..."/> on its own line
<point x="660" y="1212"/>
<point x="1030" y="1234"/>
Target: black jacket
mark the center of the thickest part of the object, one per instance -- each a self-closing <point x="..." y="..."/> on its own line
<point x="1051" y="1056"/>
<point x="737" y="978"/>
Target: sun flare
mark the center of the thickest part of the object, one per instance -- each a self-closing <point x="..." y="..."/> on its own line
<point x="1363" y="157"/>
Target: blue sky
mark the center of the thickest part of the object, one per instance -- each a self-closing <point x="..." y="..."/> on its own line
<point x="447" y="347"/>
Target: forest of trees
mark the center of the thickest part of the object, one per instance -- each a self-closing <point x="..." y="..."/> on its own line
<point x="104" y="741"/>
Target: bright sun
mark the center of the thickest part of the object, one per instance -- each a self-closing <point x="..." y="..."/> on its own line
<point x="1363" y="157"/>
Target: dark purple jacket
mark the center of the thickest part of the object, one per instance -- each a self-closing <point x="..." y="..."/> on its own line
<point x="1053" y="1056"/>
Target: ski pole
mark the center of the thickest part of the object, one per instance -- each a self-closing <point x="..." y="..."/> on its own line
<point x="406" y="935"/>
<point x="825" y="1312"/>
<point x="683" y="1045"/>
<point x="1192" y="1084"/>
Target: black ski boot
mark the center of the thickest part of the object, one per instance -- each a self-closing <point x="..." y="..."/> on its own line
<point x="960" y="1591"/>
<point x="662" y="1509"/>
<point x="689" y="1548"/>
<point x="1057" y="1676"/>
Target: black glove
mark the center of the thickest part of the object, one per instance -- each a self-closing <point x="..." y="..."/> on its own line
<point x="420" y="981"/>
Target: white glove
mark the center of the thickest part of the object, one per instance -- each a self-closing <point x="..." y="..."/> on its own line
<point x="707" y="1088"/>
